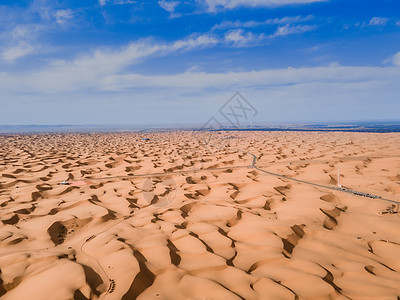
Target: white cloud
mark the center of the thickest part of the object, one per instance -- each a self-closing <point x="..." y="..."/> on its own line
<point x="90" y="70"/>
<point x="13" y="53"/>
<point x="240" y="38"/>
<point x="264" y="78"/>
<point x="63" y="15"/>
<point x="103" y="79"/>
<point x="214" y="5"/>
<point x="250" y="24"/>
<point x="396" y="59"/>
<point x="279" y="94"/>
<point x="398" y="23"/>
<point x="378" y="21"/>
<point x="106" y="70"/>
<point x="106" y="79"/>
<point x="194" y="41"/>
<point x="112" y="2"/>
<point x="25" y="32"/>
<point x="21" y="32"/>
<point x="287" y="30"/>
<point x="113" y="81"/>
<point x="169" y="6"/>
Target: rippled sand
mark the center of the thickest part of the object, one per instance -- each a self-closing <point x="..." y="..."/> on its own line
<point x="166" y="216"/>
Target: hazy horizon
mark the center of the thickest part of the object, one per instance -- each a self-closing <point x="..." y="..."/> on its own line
<point x="354" y="126"/>
<point x="196" y="124"/>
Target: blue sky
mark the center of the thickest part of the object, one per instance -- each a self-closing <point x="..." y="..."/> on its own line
<point x="178" y="61"/>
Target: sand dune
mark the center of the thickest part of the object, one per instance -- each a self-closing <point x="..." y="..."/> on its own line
<point x="165" y="216"/>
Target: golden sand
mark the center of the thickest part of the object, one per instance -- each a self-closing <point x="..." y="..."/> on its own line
<point x="174" y="218"/>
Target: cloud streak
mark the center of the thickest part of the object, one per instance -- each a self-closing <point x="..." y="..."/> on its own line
<point x="252" y="24"/>
<point x="89" y="70"/>
<point x="396" y="59"/>
<point x="169" y="6"/>
<point x="279" y="94"/>
<point x="115" y="2"/>
<point x="63" y="15"/>
<point x="289" y="29"/>
<point x="240" y="38"/>
<point x="105" y="70"/>
<point x="214" y="5"/>
<point x="378" y="21"/>
<point x="13" y="53"/>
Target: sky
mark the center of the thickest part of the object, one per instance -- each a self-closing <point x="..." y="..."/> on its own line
<point x="179" y="61"/>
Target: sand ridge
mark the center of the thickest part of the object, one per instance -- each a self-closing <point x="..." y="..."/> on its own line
<point x="163" y="216"/>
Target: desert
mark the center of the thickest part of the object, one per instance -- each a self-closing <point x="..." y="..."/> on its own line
<point x="192" y="215"/>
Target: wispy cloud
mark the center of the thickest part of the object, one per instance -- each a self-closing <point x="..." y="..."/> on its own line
<point x="214" y="5"/>
<point x="241" y="38"/>
<point x="251" y="24"/>
<point x="334" y="73"/>
<point x="169" y="6"/>
<point x="112" y="2"/>
<point x="280" y="93"/>
<point x="89" y="70"/>
<point x="378" y="21"/>
<point x="12" y="53"/>
<point x="194" y="41"/>
<point x="396" y="59"/>
<point x="106" y="70"/>
<point x="23" y="32"/>
<point x="288" y="30"/>
<point x="19" y="41"/>
<point x="62" y="16"/>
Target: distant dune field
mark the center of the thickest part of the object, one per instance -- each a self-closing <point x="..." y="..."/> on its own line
<point x="187" y="215"/>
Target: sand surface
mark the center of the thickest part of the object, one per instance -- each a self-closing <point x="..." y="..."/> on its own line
<point x="165" y="216"/>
